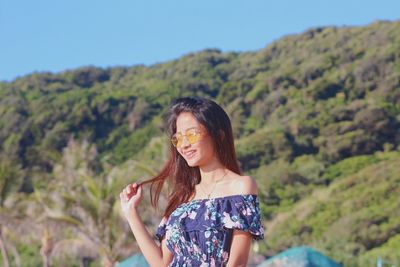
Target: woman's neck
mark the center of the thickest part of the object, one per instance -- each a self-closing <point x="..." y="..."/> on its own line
<point x="212" y="174"/>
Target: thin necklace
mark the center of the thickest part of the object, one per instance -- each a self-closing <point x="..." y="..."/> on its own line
<point x="215" y="183"/>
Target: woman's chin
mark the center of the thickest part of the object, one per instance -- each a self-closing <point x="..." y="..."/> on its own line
<point x="192" y="163"/>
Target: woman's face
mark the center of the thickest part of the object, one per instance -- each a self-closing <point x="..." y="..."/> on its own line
<point x="199" y="153"/>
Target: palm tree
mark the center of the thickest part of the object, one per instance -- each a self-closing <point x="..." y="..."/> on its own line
<point x="10" y="179"/>
<point x="16" y="225"/>
<point x="4" y="253"/>
<point x="83" y="196"/>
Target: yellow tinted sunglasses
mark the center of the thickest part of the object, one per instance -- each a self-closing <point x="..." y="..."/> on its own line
<point x="193" y="135"/>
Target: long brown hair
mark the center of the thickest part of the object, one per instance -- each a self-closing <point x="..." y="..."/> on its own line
<point x="181" y="177"/>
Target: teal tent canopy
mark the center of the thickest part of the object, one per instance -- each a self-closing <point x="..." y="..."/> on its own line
<point x="136" y="260"/>
<point x="300" y="257"/>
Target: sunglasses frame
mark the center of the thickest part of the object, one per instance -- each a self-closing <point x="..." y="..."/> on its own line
<point x="198" y="133"/>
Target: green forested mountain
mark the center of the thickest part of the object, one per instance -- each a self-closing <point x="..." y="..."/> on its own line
<point x="316" y="118"/>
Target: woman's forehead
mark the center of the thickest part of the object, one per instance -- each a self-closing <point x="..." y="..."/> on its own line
<point x="187" y="121"/>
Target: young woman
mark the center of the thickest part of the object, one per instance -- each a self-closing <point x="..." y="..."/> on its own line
<point x="213" y="210"/>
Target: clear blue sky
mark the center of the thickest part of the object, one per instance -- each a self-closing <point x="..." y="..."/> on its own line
<point x="55" y="35"/>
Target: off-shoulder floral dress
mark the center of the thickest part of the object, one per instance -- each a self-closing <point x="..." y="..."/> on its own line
<point x="199" y="232"/>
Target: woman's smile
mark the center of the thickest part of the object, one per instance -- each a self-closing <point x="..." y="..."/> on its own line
<point x="190" y="154"/>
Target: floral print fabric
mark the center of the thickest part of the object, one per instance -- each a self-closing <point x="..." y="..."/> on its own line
<point x="199" y="232"/>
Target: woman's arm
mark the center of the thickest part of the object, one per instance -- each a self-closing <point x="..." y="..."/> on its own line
<point x="241" y="240"/>
<point x="154" y="254"/>
<point x="240" y="249"/>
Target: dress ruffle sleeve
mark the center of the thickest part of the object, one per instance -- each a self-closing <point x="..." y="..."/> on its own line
<point x="161" y="229"/>
<point x="243" y="213"/>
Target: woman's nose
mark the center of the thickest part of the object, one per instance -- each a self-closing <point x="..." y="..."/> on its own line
<point x="185" y="142"/>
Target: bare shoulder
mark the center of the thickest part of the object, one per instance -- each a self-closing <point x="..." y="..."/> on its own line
<point x="244" y="185"/>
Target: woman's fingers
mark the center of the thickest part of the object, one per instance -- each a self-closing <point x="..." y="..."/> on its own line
<point x="133" y="186"/>
<point x="130" y="187"/>
<point x="129" y="191"/>
<point x="132" y="190"/>
<point x="130" y="198"/>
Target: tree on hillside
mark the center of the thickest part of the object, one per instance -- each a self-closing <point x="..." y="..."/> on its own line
<point x="83" y="196"/>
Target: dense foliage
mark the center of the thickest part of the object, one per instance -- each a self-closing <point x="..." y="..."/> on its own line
<point x="316" y="118"/>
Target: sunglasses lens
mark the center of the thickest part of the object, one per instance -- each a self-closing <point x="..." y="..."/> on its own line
<point x="192" y="136"/>
<point x="176" y="140"/>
